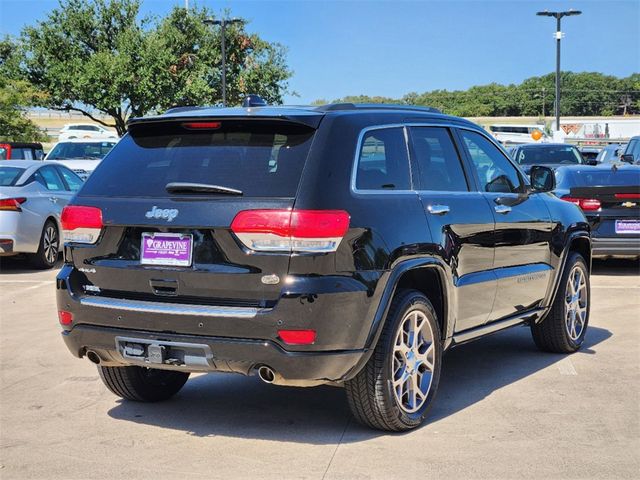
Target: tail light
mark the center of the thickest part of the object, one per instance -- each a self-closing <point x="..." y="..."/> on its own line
<point x="12" y="204"/>
<point x="586" y="204"/>
<point x="81" y="224"/>
<point x="202" y="125"/>
<point x="291" y="230"/>
<point x="628" y="196"/>
<point x="297" y="337"/>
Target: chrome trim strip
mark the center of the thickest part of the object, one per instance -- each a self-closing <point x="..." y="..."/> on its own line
<point x="478" y="129"/>
<point x="169" y="308"/>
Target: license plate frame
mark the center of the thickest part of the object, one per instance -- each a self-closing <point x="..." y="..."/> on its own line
<point x="635" y="229"/>
<point x="166" y="249"/>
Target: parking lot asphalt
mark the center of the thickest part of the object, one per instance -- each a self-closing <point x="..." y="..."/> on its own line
<point x="504" y="410"/>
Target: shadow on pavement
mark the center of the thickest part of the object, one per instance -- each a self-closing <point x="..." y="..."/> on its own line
<point x="236" y="406"/>
<point x="19" y="264"/>
<point x="616" y="266"/>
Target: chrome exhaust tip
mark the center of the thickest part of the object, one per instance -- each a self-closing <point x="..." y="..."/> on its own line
<point x="93" y="357"/>
<point x="266" y="374"/>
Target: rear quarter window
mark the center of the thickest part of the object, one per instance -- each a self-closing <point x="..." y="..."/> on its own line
<point x="259" y="158"/>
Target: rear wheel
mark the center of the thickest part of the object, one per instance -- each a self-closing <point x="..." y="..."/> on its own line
<point x="49" y="247"/>
<point x="395" y="389"/>
<point x="564" y="329"/>
<point x="143" y="384"/>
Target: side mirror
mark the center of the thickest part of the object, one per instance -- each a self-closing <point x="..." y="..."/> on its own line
<point x="542" y="179"/>
<point x="628" y="157"/>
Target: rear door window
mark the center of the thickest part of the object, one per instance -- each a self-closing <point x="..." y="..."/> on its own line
<point x="438" y="162"/>
<point x="383" y="163"/>
<point x="49" y="177"/>
<point x="73" y="181"/>
<point x="259" y="158"/>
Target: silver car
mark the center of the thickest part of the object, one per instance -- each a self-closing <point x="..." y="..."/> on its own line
<point x="32" y="195"/>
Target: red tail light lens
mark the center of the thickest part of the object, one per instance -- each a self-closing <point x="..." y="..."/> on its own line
<point x="12" y="204"/>
<point x="81" y="224"/>
<point x="297" y="337"/>
<point x="291" y="230"/>
<point x="65" y="318"/>
<point x="628" y="196"/>
<point x="586" y="204"/>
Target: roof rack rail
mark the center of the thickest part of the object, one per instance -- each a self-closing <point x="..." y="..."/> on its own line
<point x="375" y="106"/>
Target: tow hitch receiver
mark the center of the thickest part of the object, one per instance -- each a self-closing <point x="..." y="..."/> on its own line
<point x="137" y="351"/>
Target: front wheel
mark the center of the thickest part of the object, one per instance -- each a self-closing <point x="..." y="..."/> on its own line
<point x="395" y="389"/>
<point x="142" y="384"/>
<point x="564" y="328"/>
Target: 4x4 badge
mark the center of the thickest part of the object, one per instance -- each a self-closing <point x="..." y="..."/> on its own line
<point x="167" y="214"/>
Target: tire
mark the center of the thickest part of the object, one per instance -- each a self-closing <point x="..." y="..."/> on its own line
<point x="373" y="398"/>
<point x="48" y="248"/>
<point x="563" y="331"/>
<point x="142" y="384"/>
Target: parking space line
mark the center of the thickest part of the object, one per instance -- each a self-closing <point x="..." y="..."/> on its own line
<point x="28" y="281"/>
<point x="566" y="367"/>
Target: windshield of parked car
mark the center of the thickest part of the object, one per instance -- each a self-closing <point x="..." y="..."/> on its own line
<point x="549" y="154"/>
<point x="610" y="153"/>
<point x="9" y="176"/>
<point x="80" y="150"/>
<point x="258" y="158"/>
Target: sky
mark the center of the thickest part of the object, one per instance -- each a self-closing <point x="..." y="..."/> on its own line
<point x="389" y="48"/>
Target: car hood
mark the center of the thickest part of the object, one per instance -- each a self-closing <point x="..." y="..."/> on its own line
<point x="76" y="165"/>
<point x="553" y="166"/>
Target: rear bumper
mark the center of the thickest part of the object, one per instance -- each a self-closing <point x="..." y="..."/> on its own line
<point x="239" y="339"/>
<point x="604" y="247"/>
<point x="222" y="354"/>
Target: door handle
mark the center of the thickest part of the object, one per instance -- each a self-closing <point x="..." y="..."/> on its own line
<point x="53" y="199"/>
<point x="503" y="209"/>
<point x="438" y="209"/>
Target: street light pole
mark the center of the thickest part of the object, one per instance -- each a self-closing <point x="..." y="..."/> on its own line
<point x="223" y="26"/>
<point x="558" y="35"/>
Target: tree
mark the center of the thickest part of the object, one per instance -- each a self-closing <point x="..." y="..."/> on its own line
<point x="100" y="56"/>
<point x="15" y="95"/>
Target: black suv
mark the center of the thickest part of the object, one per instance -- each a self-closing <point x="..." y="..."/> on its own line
<point x="346" y="244"/>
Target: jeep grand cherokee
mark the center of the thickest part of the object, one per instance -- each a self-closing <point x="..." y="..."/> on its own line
<point x="346" y="244"/>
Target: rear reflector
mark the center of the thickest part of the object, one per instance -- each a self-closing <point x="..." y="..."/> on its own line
<point x="202" y="125"/>
<point x="12" y="204"/>
<point x="586" y="204"/>
<point x="65" y="318"/>
<point x="627" y="196"/>
<point x="81" y="224"/>
<point x="297" y="337"/>
<point x="291" y="230"/>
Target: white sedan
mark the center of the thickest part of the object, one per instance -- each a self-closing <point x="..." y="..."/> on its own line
<point x="85" y="130"/>
<point x="32" y="195"/>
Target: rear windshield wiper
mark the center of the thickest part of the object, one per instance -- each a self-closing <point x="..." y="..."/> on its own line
<point x="186" y="187"/>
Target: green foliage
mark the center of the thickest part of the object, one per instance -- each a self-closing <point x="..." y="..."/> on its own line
<point x="100" y="55"/>
<point x="583" y="94"/>
<point x="16" y="94"/>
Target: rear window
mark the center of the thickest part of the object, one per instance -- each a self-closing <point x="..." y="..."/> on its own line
<point x="542" y="155"/>
<point x="591" y="177"/>
<point x="9" y="176"/>
<point x="259" y="158"/>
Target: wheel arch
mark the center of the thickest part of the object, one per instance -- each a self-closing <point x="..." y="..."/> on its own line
<point x="411" y="274"/>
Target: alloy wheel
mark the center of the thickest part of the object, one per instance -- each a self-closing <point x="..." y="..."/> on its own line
<point x="413" y="361"/>
<point x="576" y="303"/>
<point x="50" y="244"/>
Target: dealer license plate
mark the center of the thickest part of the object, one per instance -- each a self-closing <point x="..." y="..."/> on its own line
<point x="174" y="249"/>
<point x="628" y="226"/>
